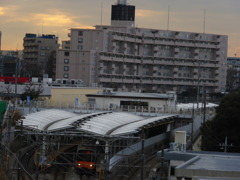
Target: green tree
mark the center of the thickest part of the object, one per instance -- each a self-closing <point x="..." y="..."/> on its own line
<point x="225" y="124"/>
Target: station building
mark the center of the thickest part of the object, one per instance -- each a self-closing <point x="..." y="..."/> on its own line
<point x="64" y="140"/>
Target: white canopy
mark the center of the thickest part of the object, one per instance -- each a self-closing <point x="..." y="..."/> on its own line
<point x="104" y="123"/>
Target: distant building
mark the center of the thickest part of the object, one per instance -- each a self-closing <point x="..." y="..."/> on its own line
<point x="234" y="64"/>
<point x="38" y="48"/>
<point x="8" y="65"/>
<point x="129" y="58"/>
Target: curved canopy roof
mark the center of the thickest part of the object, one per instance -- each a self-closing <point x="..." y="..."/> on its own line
<point x="43" y="119"/>
<point x="103" y="123"/>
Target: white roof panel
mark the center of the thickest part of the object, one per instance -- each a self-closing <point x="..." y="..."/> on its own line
<point x="68" y="123"/>
<point x="41" y="120"/>
<point x="133" y="127"/>
<point x="106" y="123"/>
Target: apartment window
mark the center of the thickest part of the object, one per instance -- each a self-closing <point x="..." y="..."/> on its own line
<point x="80" y="33"/>
<point x="80" y="47"/>
<point x="66" y="68"/>
<point x="66" y="61"/>
<point x="65" y="75"/>
<point x="42" y="54"/>
<point x="66" y="53"/>
<point x="80" y="40"/>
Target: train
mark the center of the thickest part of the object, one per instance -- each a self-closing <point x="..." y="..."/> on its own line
<point x="85" y="161"/>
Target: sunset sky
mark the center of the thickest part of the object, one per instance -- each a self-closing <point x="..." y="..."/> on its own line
<point x="18" y="17"/>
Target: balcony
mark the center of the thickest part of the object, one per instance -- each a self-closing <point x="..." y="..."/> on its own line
<point x="136" y="80"/>
<point x="176" y="50"/>
<point x="195" y="71"/>
<point x="107" y="58"/>
<point x="128" y="60"/>
<point x="104" y="79"/>
<point x="156" y="49"/>
<point x="128" y="80"/>
<point x="147" y="81"/>
<point x="155" y="68"/>
<point x="117" y="80"/>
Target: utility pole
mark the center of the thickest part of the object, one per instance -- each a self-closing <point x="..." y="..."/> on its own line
<point x="204" y="104"/>
<point x="143" y="156"/>
<point x="16" y="81"/>
<point x="198" y="85"/>
<point x="225" y="145"/>
<point x="192" y="127"/>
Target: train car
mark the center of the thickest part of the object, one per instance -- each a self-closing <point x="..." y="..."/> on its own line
<point x="85" y="161"/>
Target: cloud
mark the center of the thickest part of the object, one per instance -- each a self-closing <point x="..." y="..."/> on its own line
<point x="2" y="11"/>
<point x="148" y="13"/>
<point x="56" y="20"/>
<point x="5" y="10"/>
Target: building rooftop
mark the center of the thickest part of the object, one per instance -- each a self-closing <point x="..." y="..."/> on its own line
<point x="206" y="164"/>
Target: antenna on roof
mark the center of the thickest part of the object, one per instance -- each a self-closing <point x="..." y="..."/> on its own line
<point x="101" y="11"/>
<point x="204" y="21"/>
<point x="168" y="17"/>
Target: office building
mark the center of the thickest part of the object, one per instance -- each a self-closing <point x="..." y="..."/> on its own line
<point x="128" y="58"/>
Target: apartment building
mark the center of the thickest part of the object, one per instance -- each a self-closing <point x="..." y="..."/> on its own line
<point x="129" y="58"/>
<point x="38" y="48"/>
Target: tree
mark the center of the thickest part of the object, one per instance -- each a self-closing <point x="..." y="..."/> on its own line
<point x="33" y="91"/>
<point x="31" y="69"/>
<point x="51" y="65"/>
<point x="225" y="124"/>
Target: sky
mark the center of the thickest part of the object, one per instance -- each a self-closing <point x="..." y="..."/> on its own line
<point x="18" y="17"/>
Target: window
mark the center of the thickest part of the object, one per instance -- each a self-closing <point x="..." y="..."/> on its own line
<point x="66" y="61"/>
<point x="66" y="68"/>
<point x="65" y="75"/>
<point x="80" y="40"/>
<point x="80" y="47"/>
<point x="42" y="54"/>
<point x="80" y="33"/>
<point x="66" y="53"/>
